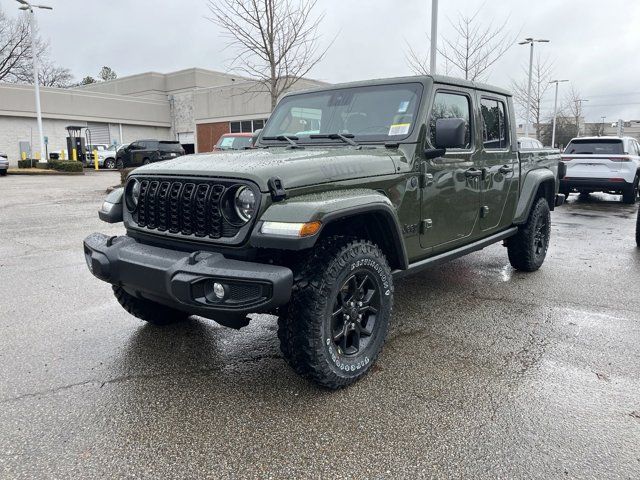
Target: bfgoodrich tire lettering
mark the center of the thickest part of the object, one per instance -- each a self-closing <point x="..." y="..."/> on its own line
<point x="338" y="320"/>
<point x="528" y="248"/>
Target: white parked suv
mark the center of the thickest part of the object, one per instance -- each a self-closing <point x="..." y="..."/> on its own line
<point x="602" y="164"/>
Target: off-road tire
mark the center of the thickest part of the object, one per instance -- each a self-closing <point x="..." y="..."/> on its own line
<point x="306" y="330"/>
<point x="146" y="310"/>
<point x="630" y="193"/>
<point x="526" y="253"/>
<point x="638" y="229"/>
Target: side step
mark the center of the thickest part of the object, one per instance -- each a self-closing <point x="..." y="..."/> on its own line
<point x="453" y="254"/>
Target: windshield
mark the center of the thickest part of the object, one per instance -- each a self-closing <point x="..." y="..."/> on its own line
<point x="233" y="143"/>
<point x="375" y="113"/>
<point x="594" y="147"/>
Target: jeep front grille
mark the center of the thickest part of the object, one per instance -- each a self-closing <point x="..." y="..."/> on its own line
<point x="184" y="207"/>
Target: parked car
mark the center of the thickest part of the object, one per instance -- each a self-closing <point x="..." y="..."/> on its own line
<point x="602" y="164"/>
<point x="403" y="174"/>
<point x="143" y="152"/>
<point x="106" y="157"/>
<point x="638" y="229"/>
<point x="234" y="141"/>
<point x="4" y="164"/>
<point x="527" y="143"/>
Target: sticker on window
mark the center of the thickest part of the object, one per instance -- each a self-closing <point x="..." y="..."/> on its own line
<point x="404" y="106"/>
<point x="399" y="129"/>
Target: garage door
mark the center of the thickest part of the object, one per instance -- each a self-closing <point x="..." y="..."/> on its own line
<point x="99" y="132"/>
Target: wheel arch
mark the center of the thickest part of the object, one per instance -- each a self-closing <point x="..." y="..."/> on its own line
<point x="539" y="183"/>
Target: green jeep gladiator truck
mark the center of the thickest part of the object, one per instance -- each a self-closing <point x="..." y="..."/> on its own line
<point x="349" y="188"/>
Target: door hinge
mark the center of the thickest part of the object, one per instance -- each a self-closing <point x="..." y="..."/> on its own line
<point x="484" y="211"/>
<point x="426" y="179"/>
<point x="425" y="225"/>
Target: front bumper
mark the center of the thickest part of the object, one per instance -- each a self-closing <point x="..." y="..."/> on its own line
<point x="185" y="280"/>
<point x="593" y="184"/>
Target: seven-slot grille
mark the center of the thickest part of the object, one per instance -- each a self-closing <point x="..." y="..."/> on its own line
<point x="186" y="207"/>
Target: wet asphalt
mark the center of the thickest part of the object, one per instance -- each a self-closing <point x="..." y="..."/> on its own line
<point x="488" y="372"/>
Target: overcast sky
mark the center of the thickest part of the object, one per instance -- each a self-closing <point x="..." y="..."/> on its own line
<point x="594" y="43"/>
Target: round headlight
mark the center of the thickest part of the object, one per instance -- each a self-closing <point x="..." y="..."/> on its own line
<point x="245" y="203"/>
<point x="132" y="194"/>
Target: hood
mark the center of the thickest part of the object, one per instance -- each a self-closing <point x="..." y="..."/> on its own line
<point x="296" y="168"/>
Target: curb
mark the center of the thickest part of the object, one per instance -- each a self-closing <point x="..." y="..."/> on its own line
<point x="40" y="173"/>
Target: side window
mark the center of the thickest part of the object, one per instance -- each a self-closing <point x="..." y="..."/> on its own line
<point x="494" y="126"/>
<point x="451" y="105"/>
<point x="635" y="149"/>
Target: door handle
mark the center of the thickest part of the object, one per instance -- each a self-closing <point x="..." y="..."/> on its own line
<point x="505" y="169"/>
<point x="473" y="173"/>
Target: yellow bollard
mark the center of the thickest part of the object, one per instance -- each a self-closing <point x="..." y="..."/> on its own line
<point x="24" y="155"/>
<point x="74" y="155"/>
<point x="38" y="156"/>
<point x="95" y="159"/>
<point x="61" y="154"/>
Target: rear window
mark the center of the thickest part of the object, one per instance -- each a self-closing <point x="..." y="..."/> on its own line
<point x="234" y="143"/>
<point x="594" y="147"/>
<point x="170" y="146"/>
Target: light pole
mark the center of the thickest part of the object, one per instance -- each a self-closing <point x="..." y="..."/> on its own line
<point x="26" y="6"/>
<point x="530" y="41"/>
<point x="579" y="112"/>
<point x="603" y="117"/>
<point x="434" y="36"/>
<point x="555" y="112"/>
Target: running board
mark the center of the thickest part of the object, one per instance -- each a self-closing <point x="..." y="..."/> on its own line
<point x="453" y="254"/>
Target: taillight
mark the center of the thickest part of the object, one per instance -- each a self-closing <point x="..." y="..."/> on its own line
<point x="620" y="159"/>
<point x="565" y="159"/>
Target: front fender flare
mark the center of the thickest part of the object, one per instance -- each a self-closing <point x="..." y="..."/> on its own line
<point x="530" y="187"/>
<point x="329" y="207"/>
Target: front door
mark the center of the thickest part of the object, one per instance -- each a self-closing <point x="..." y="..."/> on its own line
<point x="499" y="180"/>
<point x="451" y="193"/>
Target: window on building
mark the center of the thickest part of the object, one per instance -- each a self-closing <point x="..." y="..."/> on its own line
<point x="246" y="126"/>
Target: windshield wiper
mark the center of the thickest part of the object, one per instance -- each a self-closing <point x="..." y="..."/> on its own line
<point x="285" y="138"/>
<point x="346" y="137"/>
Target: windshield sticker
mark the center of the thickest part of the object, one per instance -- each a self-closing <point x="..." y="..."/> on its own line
<point x="404" y="106"/>
<point x="399" y="129"/>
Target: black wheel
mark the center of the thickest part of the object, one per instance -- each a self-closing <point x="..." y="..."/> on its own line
<point x="3" y="173"/>
<point x="630" y="194"/>
<point x="146" y="161"/>
<point x="147" y="310"/>
<point x="566" y="194"/>
<point x="338" y="319"/>
<point x="109" y="164"/>
<point x="119" y="164"/>
<point x="638" y="229"/>
<point x="528" y="248"/>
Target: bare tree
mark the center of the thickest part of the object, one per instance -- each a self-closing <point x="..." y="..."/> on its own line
<point x="54" y="76"/>
<point x="15" y="48"/>
<point x="473" y="49"/>
<point x="573" y="107"/>
<point x="541" y="73"/>
<point x="276" y="40"/>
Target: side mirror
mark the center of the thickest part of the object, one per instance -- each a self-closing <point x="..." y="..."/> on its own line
<point x="450" y="133"/>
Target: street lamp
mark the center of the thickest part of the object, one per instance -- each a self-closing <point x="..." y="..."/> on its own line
<point x="530" y="41"/>
<point x="555" y="112"/>
<point x="434" y="36"/>
<point x="578" y="112"/>
<point x="26" y="6"/>
<point x="602" y="117"/>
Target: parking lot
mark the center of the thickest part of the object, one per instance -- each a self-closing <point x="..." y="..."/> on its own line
<point x="488" y="373"/>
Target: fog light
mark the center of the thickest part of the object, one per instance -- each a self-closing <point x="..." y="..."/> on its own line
<point x="218" y="290"/>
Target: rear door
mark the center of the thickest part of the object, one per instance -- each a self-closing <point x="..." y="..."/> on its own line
<point x="451" y="198"/>
<point x="499" y="181"/>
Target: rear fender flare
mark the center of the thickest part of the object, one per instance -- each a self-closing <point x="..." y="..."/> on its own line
<point x="530" y="187"/>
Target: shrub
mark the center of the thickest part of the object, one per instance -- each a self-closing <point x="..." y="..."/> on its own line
<point x="65" y="166"/>
<point x="24" y="163"/>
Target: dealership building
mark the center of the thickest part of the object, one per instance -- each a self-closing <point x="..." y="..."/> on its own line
<point x="193" y="106"/>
